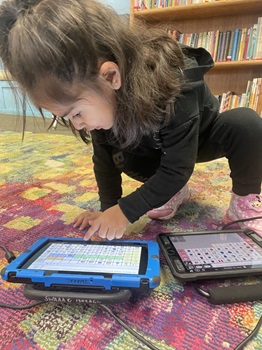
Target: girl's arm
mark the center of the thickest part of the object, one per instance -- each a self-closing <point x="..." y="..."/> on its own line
<point x="179" y="147"/>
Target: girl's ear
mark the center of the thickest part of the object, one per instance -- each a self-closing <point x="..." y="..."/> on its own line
<point x="110" y="71"/>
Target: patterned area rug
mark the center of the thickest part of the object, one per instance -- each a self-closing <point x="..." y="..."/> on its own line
<point x="48" y="180"/>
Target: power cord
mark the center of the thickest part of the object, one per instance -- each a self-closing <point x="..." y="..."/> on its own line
<point x="128" y="328"/>
<point x="22" y="307"/>
<point x="250" y="336"/>
<point x="240" y="220"/>
<point x="205" y="294"/>
<point x="10" y="257"/>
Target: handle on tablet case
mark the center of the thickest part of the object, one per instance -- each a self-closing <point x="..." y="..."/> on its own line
<point x="78" y="297"/>
<point x="233" y="294"/>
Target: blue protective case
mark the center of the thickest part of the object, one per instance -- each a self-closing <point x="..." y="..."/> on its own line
<point x="141" y="282"/>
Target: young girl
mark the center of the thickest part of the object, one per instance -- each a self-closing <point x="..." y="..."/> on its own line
<point x="144" y="100"/>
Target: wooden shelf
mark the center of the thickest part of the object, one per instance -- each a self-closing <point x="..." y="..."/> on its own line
<point x="222" y="15"/>
<point x="203" y="10"/>
<point x="238" y="65"/>
<point x="233" y="76"/>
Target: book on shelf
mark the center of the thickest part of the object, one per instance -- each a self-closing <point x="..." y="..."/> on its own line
<point x="229" y="45"/>
<point x="240" y="33"/>
<point x="246" y="43"/>
<point x="221" y="46"/>
<point x="150" y="4"/>
<point x="242" y="44"/>
<point x="258" y="101"/>
<point x="225" y="101"/>
<point x="256" y="94"/>
<point x="253" y="88"/>
<point x="216" y="38"/>
<point x="253" y="42"/>
<point x="226" y="45"/>
<point x="251" y="98"/>
<point x="258" y="52"/>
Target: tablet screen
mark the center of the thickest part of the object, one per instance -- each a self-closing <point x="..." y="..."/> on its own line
<point x="217" y="251"/>
<point x="93" y="258"/>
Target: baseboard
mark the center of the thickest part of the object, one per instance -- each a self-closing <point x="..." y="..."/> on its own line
<point x="9" y="122"/>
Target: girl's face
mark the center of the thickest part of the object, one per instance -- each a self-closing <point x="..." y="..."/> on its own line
<point x="90" y="111"/>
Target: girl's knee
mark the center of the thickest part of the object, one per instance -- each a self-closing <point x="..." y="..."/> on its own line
<point x="243" y="119"/>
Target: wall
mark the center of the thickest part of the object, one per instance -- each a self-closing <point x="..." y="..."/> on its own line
<point x="121" y="6"/>
<point x="7" y="100"/>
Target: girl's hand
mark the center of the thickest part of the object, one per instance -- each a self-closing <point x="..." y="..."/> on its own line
<point x="109" y="224"/>
<point x="82" y="220"/>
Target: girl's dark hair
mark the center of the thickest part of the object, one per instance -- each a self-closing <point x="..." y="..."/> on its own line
<point x="50" y="46"/>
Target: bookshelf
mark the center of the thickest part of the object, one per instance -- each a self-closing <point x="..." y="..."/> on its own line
<point x="218" y="15"/>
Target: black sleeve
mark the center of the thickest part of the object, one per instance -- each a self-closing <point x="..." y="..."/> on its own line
<point x="108" y="177"/>
<point x="180" y="145"/>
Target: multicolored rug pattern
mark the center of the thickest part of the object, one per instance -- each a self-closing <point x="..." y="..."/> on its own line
<point x="45" y="182"/>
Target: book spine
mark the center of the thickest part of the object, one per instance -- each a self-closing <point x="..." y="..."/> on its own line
<point x="212" y="42"/>
<point x="230" y="48"/>
<point x="234" y="48"/>
<point x="252" y="93"/>
<point x="219" y="44"/>
<point x="226" y="97"/>
<point x="216" y="45"/>
<point x="246" y="44"/>
<point x="258" y="51"/>
<point x="253" y="41"/>
<point x="242" y="44"/>
<point x="238" y="44"/>
<point x="259" y="103"/>
<point x="227" y="42"/>
<point x="222" y="48"/>
<point x="258" y="91"/>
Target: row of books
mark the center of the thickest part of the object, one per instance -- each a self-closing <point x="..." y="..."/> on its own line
<point x="252" y="98"/>
<point x="151" y="4"/>
<point x="231" y="45"/>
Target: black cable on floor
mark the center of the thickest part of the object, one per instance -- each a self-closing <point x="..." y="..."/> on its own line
<point x="128" y="328"/>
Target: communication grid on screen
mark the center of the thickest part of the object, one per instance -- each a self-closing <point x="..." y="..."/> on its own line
<point x="93" y="258"/>
<point x="217" y="251"/>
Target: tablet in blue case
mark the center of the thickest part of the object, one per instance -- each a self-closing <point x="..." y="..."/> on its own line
<point x="60" y="262"/>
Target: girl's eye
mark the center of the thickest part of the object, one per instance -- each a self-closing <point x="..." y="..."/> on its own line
<point x="77" y="115"/>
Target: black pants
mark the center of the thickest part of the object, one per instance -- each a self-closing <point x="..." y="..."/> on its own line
<point x="237" y="135"/>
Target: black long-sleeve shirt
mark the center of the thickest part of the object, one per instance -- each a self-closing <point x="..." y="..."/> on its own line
<point x="174" y="150"/>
